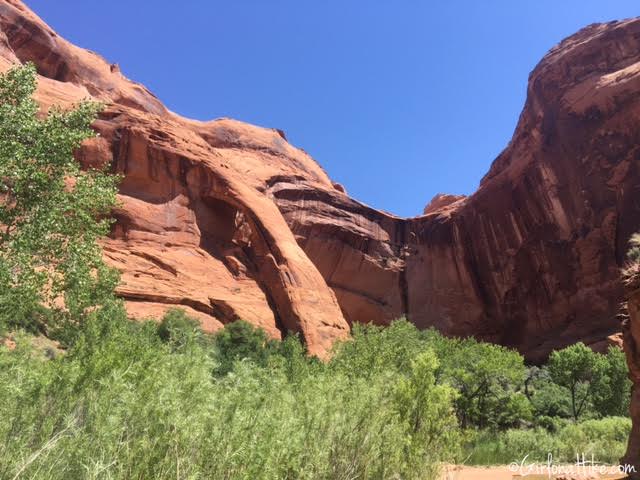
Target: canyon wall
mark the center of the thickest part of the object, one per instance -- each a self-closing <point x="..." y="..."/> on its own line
<point x="229" y="220"/>
<point x="531" y="259"/>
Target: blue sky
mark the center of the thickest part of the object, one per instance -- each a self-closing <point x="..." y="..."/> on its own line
<point x="398" y="100"/>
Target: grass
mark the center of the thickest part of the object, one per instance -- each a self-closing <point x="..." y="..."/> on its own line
<point x="139" y="400"/>
<point x="604" y="439"/>
<point x="124" y="403"/>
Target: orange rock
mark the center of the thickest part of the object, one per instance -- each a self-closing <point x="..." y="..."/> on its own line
<point x="530" y="260"/>
<point x="196" y="227"/>
<point x="441" y="202"/>
<point x="230" y="221"/>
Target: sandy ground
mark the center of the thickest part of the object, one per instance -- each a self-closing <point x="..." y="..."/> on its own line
<point x="458" y="472"/>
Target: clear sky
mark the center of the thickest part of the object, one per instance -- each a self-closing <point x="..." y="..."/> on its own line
<point x="398" y="100"/>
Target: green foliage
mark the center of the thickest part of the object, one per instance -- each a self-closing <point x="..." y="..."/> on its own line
<point x="580" y="383"/>
<point x="488" y="447"/>
<point x="116" y="405"/>
<point x="605" y="439"/>
<point x="579" y="370"/>
<point x="242" y="341"/>
<point x="548" y="399"/>
<point x="427" y="413"/>
<point x="290" y="356"/>
<point x="51" y="212"/>
<point x="125" y="403"/>
<point x="612" y="391"/>
<point x="488" y="379"/>
<point x="141" y="400"/>
<point x="178" y="329"/>
<point x="494" y="387"/>
<point x="375" y="349"/>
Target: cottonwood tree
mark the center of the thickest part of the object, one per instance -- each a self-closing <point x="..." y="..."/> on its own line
<point x="612" y="391"/>
<point x="51" y="211"/>
<point x="580" y="370"/>
<point x="488" y="379"/>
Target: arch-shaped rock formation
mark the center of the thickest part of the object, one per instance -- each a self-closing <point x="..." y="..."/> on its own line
<point x="230" y="221"/>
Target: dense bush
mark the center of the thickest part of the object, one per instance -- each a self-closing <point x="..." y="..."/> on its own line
<point x="548" y="400"/>
<point x="488" y="378"/>
<point x="605" y="439"/>
<point x="178" y="329"/>
<point x="242" y="341"/>
<point x="377" y="349"/>
<point x="146" y="400"/>
<point x="130" y="401"/>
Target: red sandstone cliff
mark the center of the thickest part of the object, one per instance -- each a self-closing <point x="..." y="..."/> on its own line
<point x="532" y="258"/>
<point x="195" y="227"/>
<point x="230" y="221"/>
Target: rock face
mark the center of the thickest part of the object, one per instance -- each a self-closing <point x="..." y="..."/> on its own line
<point x="531" y="259"/>
<point x="442" y="201"/>
<point x="230" y="221"/>
<point x="195" y="227"/>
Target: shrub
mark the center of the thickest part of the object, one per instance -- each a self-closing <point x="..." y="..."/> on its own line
<point x="242" y="341"/>
<point x="605" y="439"/>
<point x="125" y="403"/>
<point x="178" y="329"/>
<point x="499" y="448"/>
<point x="548" y="399"/>
<point x="427" y="413"/>
<point x="375" y="349"/>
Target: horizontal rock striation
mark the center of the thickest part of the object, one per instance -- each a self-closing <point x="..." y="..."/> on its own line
<point x="531" y="259"/>
<point x="228" y="220"/>
<point x="194" y="226"/>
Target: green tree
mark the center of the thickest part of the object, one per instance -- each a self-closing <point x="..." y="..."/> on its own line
<point x="578" y="369"/>
<point x="612" y="392"/>
<point x="178" y="329"/>
<point x="547" y="398"/>
<point x="487" y="377"/>
<point x="51" y="211"/>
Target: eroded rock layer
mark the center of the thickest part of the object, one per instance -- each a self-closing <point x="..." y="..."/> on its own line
<point x="195" y="228"/>
<point x="531" y="259"/>
<point x="228" y="220"/>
